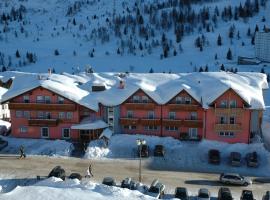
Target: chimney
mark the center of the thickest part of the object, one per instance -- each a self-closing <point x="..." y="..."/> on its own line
<point x="49" y="71"/>
<point x="121" y="84"/>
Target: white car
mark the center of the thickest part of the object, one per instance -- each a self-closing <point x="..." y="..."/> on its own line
<point x="234" y="179"/>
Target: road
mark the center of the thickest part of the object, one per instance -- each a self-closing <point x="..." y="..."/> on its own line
<point x="119" y="169"/>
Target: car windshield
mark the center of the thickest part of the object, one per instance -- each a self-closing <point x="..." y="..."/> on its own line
<point x="203" y="195"/>
<point x="153" y="190"/>
<point x="181" y="194"/>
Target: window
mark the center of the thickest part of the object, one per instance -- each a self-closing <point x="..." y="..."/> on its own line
<point x="47" y="99"/>
<point x="61" y="115"/>
<point x="136" y="99"/>
<point x="151" y="114"/>
<point x="40" y="99"/>
<point x="193" y="132"/>
<point x="193" y="116"/>
<point x="179" y="100"/>
<point x="47" y="115"/>
<point x="19" y="113"/>
<point x="40" y="115"/>
<point x="23" y="129"/>
<point x="171" y="115"/>
<point x="130" y="127"/>
<point x="66" y="133"/>
<point x="226" y="134"/>
<point x="60" y="100"/>
<point x="233" y="104"/>
<point x="187" y="100"/>
<point x="26" y="114"/>
<point x="45" y="132"/>
<point x="150" y="128"/>
<point x="223" y="120"/>
<point x="26" y="99"/>
<point x="223" y="104"/>
<point x="145" y="99"/>
<point x="232" y="120"/>
<point x="171" y="128"/>
<point x="129" y="114"/>
<point x="3" y="106"/>
<point x="69" y="115"/>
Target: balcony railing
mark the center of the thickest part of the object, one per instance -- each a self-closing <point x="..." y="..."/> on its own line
<point x="129" y="121"/>
<point x="172" y="122"/>
<point x="43" y="122"/>
<point x="183" y="107"/>
<point x="183" y="123"/>
<point x="150" y="122"/>
<point x="140" y="106"/>
<point x="229" y="111"/>
<point x="40" y="106"/>
<point x="228" y="127"/>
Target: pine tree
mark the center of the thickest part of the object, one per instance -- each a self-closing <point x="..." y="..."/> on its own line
<point x="235" y="70"/>
<point x="268" y="78"/>
<point x="206" y="68"/>
<point x="256" y="28"/>
<point x="262" y="70"/>
<point x="222" y="68"/>
<point x="216" y="57"/>
<point x="4" y="69"/>
<point x="151" y="70"/>
<point x="174" y="52"/>
<point x="56" y="52"/>
<point x="18" y="54"/>
<point x="74" y="22"/>
<point x="229" y="54"/>
<point x="201" y="69"/>
<point x="219" y="40"/>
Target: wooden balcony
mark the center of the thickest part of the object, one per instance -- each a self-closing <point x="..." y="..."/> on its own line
<point x="41" y="106"/>
<point x="129" y="121"/>
<point x="193" y="123"/>
<point x="183" y="107"/>
<point x="150" y="122"/>
<point x="228" y="127"/>
<point x="229" y="111"/>
<point x="140" y="106"/>
<point x="172" y="122"/>
<point x="42" y="122"/>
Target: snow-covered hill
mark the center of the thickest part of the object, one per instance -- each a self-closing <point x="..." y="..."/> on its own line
<point x="128" y="35"/>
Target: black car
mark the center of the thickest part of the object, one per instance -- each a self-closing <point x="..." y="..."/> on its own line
<point x="181" y="193"/>
<point x="252" y="159"/>
<point x="109" y="181"/>
<point x="214" y="156"/>
<point x="235" y="159"/>
<point x="159" y="151"/>
<point x="224" y="194"/>
<point x="266" y="196"/>
<point x="144" y="151"/>
<point x="75" y="176"/>
<point x="128" y="183"/>
<point x="58" y="172"/>
<point x="247" y="195"/>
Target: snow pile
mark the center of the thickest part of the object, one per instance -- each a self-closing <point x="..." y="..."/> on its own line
<point x="55" y="188"/>
<point x="192" y="156"/>
<point x="38" y="146"/>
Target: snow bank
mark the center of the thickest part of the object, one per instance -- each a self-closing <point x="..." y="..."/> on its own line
<point x="54" y="188"/>
<point x="184" y="156"/>
<point x="38" y="146"/>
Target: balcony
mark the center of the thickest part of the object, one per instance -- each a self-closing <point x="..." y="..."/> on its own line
<point x="140" y="106"/>
<point x="228" y="127"/>
<point x="183" y="123"/>
<point x="229" y="111"/>
<point x="41" y="106"/>
<point x="129" y="121"/>
<point x="183" y="107"/>
<point x="150" y="122"/>
<point x="43" y="122"/>
<point x="172" y="122"/>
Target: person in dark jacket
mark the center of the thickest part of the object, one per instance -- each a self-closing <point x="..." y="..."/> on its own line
<point x="22" y="152"/>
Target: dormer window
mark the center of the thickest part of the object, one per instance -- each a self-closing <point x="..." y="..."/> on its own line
<point x="26" y="99"/>
<point x="223" y="104"/>
<point x="47" y="99"/>
<point x="179" y="100"/>
<point x="40" y="99"/>
<point x="60" y="100"/>
<point x="145" y="99"/>
<point x="187" y="100"/>
<point x="136" y="99"/>
<point x="233" y="104"/>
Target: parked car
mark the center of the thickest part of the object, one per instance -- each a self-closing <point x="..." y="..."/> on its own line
<point x="252" y="159"/>
<point x="234" y="179"/>
<point x="109" y="181"/>
<point x="75" y="175"/>
<point x="204" y="194"/>
<point x="159" y="151"/>
<point x="224" y="194"/>
<point x="156" y="189"/>
<point x="235" y="159"/>
<point x="181" y="193"/>
<point x="128" y="183"/>
<point x="266" y="196"/>
<point x="144" y="151"/>
<point x="3" y="144"/>
<point x="214" y="156"/>
<point x="247" y="195"/>
<point x="58" y="172"/>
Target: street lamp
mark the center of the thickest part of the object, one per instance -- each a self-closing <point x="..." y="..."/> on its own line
<point x="140" y="142"/>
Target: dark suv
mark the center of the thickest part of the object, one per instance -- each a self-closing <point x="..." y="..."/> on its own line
<point x="159" y="151"/>
<point x="144" y="151"/>
<point x="58" y="172"/>
<point x="224" y="194"/>
<point x="214" y="156"/>
<point x="247" y="195"/>
<point x="181" y="193"/>
<point x="235" y="158"/>
<point x="252" y="159"/>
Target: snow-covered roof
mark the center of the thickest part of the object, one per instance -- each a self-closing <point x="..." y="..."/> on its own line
<point x="204" y="87"/>
<point x="106" y="133"/>
<point x="88" y="124"/>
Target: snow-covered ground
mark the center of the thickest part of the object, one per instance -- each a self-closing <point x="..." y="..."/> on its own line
<point x="186" y="156"/>
<point x="38" y="146"/>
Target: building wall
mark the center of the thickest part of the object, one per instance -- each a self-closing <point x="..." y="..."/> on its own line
<point x="262" y="46"/>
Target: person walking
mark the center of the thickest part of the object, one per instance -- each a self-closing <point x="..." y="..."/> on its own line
<point x="89" y="173"/>
<point x="22" y="152"/>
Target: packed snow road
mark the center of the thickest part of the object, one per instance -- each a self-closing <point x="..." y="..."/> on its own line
<point x="24" y="171"/>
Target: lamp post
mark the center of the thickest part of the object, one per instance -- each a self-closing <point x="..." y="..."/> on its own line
<point x="140" y="142"/>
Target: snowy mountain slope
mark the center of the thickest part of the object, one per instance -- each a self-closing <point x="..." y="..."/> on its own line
<point x="86" y="32"/>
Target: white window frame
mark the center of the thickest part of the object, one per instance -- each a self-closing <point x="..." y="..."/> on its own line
<point x="26" y="99"/>
<point x="136" y="99"/>
<point x="193" y="132"/>
<point x="179" y="100"/>
<point x="63" y="133"/>
<point x="25" y="115"/>
<point x="40" y="99"/>
<point x="172" y="114"/>
<point x="233" y="103"/>
<point x="47" y="99"/>
<point x="130" y="114"/>
<point x="69" y="115"/>
<point x="187" y="100"/>
<point x="151" y="114"/>
<point x="224" y="104"/>
<point x="23" y="129"/>
<point x="145" y="99"/>
<point x="60" y="100"/>
<point x="61" y="115"/>
<point x="225" y="120"/>
<point x="41" y="132"/>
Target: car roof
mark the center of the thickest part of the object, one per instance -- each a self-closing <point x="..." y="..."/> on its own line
<point x="204" y="190"/>
<point x="230" y="174"/>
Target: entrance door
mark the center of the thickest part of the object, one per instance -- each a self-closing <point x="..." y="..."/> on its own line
<point x="193" y="133"/>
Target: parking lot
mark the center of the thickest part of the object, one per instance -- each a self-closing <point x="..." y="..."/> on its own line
<point x="13" y="168"/>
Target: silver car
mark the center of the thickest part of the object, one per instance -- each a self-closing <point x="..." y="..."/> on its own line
<point x="204" y="194"/>
<point x="234" y="179"/>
